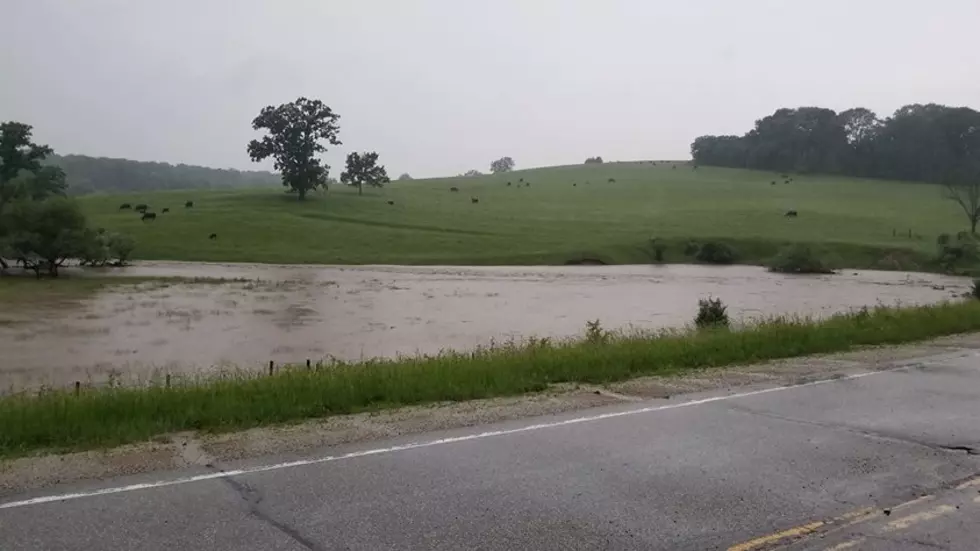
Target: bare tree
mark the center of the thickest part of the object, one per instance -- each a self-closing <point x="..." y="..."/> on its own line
<point x="963" y="188"/>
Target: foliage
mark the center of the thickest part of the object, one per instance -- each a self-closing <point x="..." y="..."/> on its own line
<point x="975" y="289"/>
<point x="404" y="176"/>
<point x="107" y="248"/>
<point x="472" y="173"/>
<point x="94" y="174"/>
<point x="919" y="142"/>
<point x="712" y="313"/>
<point x="363" y="168"/>
<point x="799" y="258"/>
<point x="44" y="234"/>
<point x="951" y="253"/>
<point x="501" y="165"/>
<point x="595" y="334"/>
<point x="594" y="160"/>
<point x="294" y="132"/>
<point x="715" y="253"/>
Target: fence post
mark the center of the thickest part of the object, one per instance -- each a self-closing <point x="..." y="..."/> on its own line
<point x="78" y="388"/>
<point x="272" y="367"/>
<point x="308" y="365"/>
<point x="168" y="380"/>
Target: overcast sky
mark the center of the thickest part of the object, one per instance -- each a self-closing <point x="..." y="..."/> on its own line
<point x="441" y="86"/>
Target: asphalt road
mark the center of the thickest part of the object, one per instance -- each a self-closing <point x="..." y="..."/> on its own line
<point x="876" y="460"/>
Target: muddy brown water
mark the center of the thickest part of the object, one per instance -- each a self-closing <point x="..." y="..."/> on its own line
<point x="290" y="313"/>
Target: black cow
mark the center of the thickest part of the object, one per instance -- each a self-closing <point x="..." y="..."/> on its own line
<point x="213" y="236"/>
<point x="454" y="189"/>
<point x="612" y="180"/>
<point x="791" y="213"/>
<point x="125" y="206"/>
<point x="574" y="184"/>
<point x="474" y="199"/>
<point x="165" y="210"/>
<point x="148" y="216"/>
<point x="772" y="183"/>
<point x="188" y="204"/>
<point x="508" y="184"/>
<point x="141" y="208"/>
<point x="391" y="202"/>
<point x="521" y="180"/>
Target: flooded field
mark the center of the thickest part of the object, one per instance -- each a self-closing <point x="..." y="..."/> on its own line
<point x="293" y="313"/>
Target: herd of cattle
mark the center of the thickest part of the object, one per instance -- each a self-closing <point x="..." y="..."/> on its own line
<point x="144" y="210"/>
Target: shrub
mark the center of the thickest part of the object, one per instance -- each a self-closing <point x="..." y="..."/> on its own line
<point x="964" y="249"/>
<point x="715" y="253"/>
<point x="799" y="259"/>
<point x="691" y="248"/>
<point x="712" y="313"/>
<point x="975" y="290"/>
<point x="658" y="249"/>
<point x="595" y="334"/>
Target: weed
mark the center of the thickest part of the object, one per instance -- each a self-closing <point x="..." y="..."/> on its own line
<point x="594" y="333"/>
<point x="712" y="314"/>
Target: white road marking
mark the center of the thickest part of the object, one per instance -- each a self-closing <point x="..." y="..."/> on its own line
<point x="425" y="444"/>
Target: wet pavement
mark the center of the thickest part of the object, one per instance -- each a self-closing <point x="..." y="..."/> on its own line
<point x="288" y="314"/>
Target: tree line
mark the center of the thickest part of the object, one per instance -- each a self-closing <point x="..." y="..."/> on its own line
<point x="100" y="174"/>
<point x="928" y="143"/>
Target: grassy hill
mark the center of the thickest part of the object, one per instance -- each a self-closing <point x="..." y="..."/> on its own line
<point x="566" y="214"/>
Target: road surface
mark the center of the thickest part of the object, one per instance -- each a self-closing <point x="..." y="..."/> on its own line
<point x="872" y="460"/>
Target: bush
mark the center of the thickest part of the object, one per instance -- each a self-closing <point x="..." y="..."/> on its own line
<point x="712" y="313"/>
<point x="799" y="259"/>
<point x="715" y="253"/>
<point x="964" y="249"/>
<point x="658" y="249"/>
<point x="691" y="248"/>
<point x="975" y="290"/>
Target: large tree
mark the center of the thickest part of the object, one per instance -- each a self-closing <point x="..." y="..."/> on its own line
<point x="962" y="186"/>
<point x="44" y="234"/>
<point x="22" y="175"/>
<point x="294" y="132"/>
<point x="503" y="164"/>
<point x="363" y="168"/>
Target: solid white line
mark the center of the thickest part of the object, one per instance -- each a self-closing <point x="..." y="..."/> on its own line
<point x="416" y="445"/>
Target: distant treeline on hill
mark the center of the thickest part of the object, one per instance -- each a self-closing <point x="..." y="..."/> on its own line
<point x="929" y="143"/>
<point x="90" y="174"/>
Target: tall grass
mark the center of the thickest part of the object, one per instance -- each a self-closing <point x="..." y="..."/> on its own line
<point x="61" y="420"/>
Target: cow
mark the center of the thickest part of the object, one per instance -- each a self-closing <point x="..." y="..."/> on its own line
<point x="574" y="184"/>
<point x="474" y="199"/>
<point x="772" y="183"/>
<point x="213" y="236"/>
<point x="165" y="210"/>
<point x="508" y="184"/>
<point x="454" y="189"/>
<point x="612" y="180"/>
<point x="125" y="206"/>
<point x="791" y="213"/>
<point x="141" y="207"/>
<point x="391" y="202"/>
<point x="188" y="204"/>
<point x="148" y="216"/>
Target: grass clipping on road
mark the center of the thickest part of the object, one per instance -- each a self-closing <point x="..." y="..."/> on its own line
<point x="60" y="420"/>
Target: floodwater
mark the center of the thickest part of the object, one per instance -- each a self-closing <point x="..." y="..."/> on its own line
<point x="288" y="314"/>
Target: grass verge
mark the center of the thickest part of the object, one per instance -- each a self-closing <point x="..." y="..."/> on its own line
<point x="61" y="421"/>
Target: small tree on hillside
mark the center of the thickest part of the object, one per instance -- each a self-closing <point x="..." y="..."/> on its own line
<point x="405" y="176"/>
<point x="593" y="160"/>
<point x="501" y="165"/>
<point x="294" y="132"/>
<point x="471" y="173"/>
<point x="363" y="168"/>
